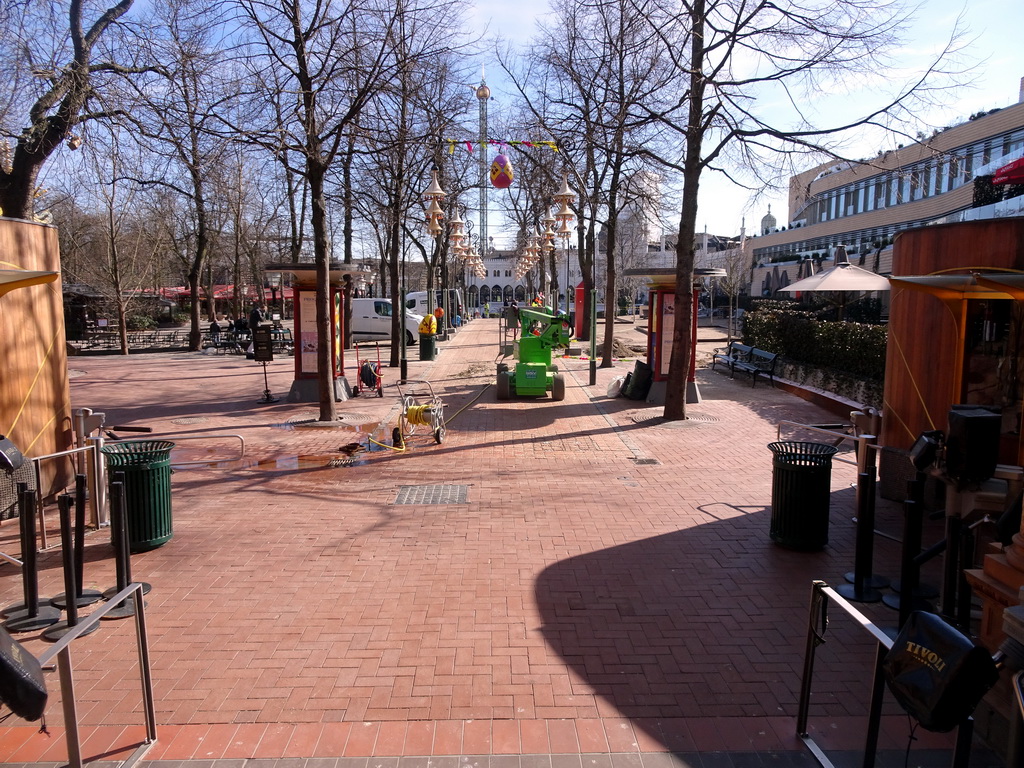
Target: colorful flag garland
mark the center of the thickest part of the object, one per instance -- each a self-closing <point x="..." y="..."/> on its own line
<point x="552" y="145"/>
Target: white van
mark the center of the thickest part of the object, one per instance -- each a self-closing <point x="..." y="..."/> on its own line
<point x="371" y="321"/>
<point x="417" y="301"/>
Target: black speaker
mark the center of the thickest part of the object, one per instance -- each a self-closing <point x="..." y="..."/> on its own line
<point x="972" y="443"/>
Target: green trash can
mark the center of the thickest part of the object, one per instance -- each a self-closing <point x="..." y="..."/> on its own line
<point x="801" y="492"/>
<point x="428" y="346"/>
<point x="146" y="465"/>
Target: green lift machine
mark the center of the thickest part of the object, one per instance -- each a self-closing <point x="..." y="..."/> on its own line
<point x="541" y="332"/>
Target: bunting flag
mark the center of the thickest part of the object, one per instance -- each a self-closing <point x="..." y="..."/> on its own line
<point x="552" y="145"/>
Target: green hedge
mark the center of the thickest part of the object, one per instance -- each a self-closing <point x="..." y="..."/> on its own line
<point x="855" y="348"/>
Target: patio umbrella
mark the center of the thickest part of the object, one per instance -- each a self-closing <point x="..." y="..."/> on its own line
<point x="1011" y="173"/>
<point x="842" y="279"/>
<point x="11" y="279"/>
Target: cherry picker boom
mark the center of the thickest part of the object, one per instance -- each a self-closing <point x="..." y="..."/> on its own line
<point x="534" y="373"/>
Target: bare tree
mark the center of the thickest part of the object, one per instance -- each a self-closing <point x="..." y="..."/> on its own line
<point x="602" y="63"/>
<point x="122" y="247"/>
<point x="334" y="57"/>
<point x="741" y="56"/>
<point x="174" y="114"/>
<point x="50" y="87"/>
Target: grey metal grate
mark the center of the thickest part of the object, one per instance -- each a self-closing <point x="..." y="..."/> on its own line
<point x="432" y="494"/>
<point x="655" y="416"/>
<point x="190" y="420"/>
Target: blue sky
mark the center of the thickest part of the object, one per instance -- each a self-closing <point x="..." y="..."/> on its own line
<point x="992" y="28"/>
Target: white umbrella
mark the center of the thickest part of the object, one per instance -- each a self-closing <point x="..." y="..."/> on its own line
<point x="843" y="278"/>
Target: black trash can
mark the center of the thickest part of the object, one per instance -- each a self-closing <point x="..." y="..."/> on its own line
<point x="428" y="346"/>
<point x="801" y="490"/>
<point x="146" y="465"/>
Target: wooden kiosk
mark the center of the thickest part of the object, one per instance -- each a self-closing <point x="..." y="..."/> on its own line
<point x="305" y="386"/>
<point x="35" y="402"/>
<point x="661" y="297"/>
<point x="955" y="338"/>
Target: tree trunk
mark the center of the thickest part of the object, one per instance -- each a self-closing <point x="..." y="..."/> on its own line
<point x="682" y="329"/>
<point x="318" y="219"/>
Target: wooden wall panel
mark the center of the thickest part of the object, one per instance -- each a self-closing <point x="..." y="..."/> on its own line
<point x="35" y="404"/>
<point x="922" y="353"/>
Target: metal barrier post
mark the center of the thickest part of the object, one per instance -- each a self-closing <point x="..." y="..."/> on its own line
<point x="821" y="594"/>
<point x="875" y="709"/>
<point x="864" y="584"/>
<point x="818" y="604"/>
<point x="98" y="480"/>
<point x="80" y="417"/>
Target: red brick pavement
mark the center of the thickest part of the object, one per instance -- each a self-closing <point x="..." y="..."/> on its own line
<point x="609" y="586"/>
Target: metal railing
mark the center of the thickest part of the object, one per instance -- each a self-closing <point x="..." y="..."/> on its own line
<point x="199" y="462"/>
<point x="87" y="451"/>
<point x="62" y="650"/>
<point x="817" y="625"/>
<point x="861" y="442"/>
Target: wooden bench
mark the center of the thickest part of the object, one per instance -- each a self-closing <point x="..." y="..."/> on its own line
<point x="760" y="363"/>
<point x="729" y="355"/>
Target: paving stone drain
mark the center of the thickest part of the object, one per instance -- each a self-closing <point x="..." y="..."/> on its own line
<point x="432" y="494"/>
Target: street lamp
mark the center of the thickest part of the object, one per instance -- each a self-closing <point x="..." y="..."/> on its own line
<point x="547" y="238"/>
<point x="274" y="281"/>
<point x="435" y="215"/>
<point x="565" y="197"/>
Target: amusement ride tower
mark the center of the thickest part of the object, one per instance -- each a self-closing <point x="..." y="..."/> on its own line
<point x="483" y="93"/>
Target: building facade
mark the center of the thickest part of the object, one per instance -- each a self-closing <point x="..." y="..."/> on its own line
<point x="862" y="205"/>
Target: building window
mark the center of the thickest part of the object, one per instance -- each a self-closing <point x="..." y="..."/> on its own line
<point x="508" y="273"/>
<point x="497" y="273"/>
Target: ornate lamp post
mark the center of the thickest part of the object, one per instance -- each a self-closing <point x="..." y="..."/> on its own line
<point x="274" y="281"/>
<point x="547" y="240"/>
<point x="565" y="197"/>
<point x="456" y="236"/>
<point x="435" y="215"/>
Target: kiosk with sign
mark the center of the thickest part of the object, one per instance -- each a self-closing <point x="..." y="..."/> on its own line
<point x="305" y="386"/>
<point x="661" y="294"/>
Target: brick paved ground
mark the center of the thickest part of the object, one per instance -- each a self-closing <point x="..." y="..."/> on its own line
<point x="607" y="589"/>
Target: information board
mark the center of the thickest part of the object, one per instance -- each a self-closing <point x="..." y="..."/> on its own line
<point x="263" y="344"/>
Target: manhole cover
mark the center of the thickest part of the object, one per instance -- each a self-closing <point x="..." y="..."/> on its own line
<point x="432" y="494"/>
<point x="312" y="419"/>
<point x="189" y="420"/>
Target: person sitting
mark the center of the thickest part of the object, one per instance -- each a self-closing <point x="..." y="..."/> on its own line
<point x="215" y="331"/>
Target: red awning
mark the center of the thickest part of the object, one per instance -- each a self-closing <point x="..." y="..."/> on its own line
<point x="1011" y="173"/>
